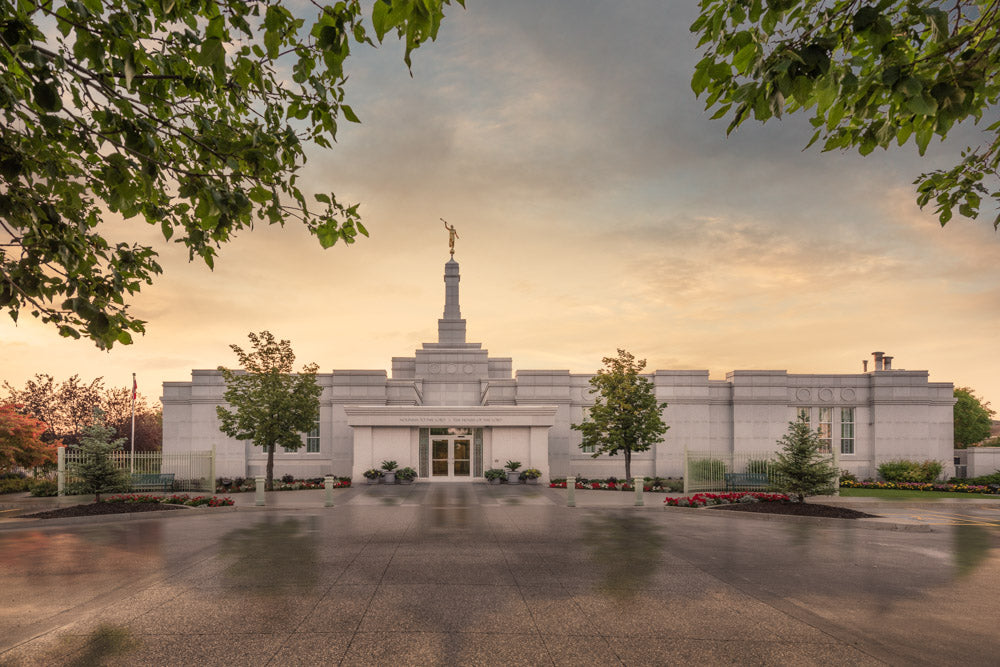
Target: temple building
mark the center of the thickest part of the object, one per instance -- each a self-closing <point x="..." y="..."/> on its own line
<point x="451" y="411"/>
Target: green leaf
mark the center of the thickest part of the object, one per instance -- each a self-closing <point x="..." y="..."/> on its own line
<point x="46" y="96"/>
<point x="744" y="58"/>
<point x="923" y="105"/>
<point x="129" y="63"/>
<point x="349" y="113"/>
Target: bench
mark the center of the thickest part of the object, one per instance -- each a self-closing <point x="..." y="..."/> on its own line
<point x="740" y="480"/>
<point x="153" y="481"/>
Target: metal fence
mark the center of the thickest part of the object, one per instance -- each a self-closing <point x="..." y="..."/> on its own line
<point x="727" y="471"/>
<point x="733" y="471"/>
<point x="192" y="471"/>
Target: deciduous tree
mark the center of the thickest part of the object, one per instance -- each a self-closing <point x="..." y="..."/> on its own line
<point x="189" y="115"/>
<point x="270" y="405"/>
<point x="872" y="73"/>
<point x="21" y="444"/>
<point x="69" y="406"/>
<point x="973" y="418"/>
<point x="802" y="469"/>
<point x="625" y="416"/>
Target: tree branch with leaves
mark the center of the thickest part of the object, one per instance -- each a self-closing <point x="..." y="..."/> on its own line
<point x="872" y="74"/>
<point x="190" y="115"/>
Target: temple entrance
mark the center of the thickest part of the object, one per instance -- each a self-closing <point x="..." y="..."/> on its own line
<point x="451" y="453"/>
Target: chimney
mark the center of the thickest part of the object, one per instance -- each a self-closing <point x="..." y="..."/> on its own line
<point x="888" y="363"/>
<point x="864" y="365"/>
<point x="878" y="359"/>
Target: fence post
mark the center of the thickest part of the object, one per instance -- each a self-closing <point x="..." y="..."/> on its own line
<point x="328" y="485"/>
<point x="571" y="492"/>
<point x="836" y="465"/>
<point x="212" y="468"/>
<point x="638" y="482"/>
<point x="686" y="476"/>
<point x="259" y="486"/>
<point x="61" y="470"/>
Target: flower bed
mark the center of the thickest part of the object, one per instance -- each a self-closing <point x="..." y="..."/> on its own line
<point x="176" y="499"/>
<point x="248" y="485"/>
<point x="705" y="499"/>
<point x="922" y="486"/>
<point x="606" y="485"/>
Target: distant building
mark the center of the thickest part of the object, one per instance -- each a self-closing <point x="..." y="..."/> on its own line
<point x="451" y="411"/>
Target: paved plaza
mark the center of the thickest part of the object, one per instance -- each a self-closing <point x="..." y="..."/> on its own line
<point x="473" y="574"/>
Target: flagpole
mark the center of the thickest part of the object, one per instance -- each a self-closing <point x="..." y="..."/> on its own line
<point x="132" y="458"/>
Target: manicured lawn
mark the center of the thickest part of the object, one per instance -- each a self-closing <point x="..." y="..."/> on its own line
<point x="900" y="494"/>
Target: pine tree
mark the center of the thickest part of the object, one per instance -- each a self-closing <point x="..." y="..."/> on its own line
<point x="97" y="471"/>
<point x="801" y="469"/>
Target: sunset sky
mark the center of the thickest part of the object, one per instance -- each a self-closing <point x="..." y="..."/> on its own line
<point x="598" y="207"/>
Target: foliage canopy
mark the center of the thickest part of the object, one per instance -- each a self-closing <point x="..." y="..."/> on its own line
<point x="21" y="444"/>
<point x="191" y="115"/>
<point x="872" y="73"/>
<point x="972" y="418"/>
<point x="69" y="406"/>
<point x="271" y="406"/>
<point x="625" y="416"/>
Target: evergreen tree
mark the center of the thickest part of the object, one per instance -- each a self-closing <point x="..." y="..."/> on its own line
<point x="99" y="474"/>
<point x="801" y="469"/>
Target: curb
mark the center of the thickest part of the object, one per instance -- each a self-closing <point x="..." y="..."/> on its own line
<point x="18" y="523"/>
<point x="831" y="522"/>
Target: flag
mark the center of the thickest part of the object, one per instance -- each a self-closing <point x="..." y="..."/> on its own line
<point x="134" y="387"/>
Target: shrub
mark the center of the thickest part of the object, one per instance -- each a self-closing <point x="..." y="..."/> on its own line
<point x="14" y="485"/>
<point x="406" y="473"/>
<point x="985" y="480"/>
<point x="701" y="470"/>
<point x="288" y="479"/>
<point x="847" y="476"/>
<point x="44" y="488"/>
<point x="903" y="470"/>
<point x="758" y="466"/>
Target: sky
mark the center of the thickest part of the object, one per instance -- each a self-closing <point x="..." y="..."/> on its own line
<point x="598" y="207"/>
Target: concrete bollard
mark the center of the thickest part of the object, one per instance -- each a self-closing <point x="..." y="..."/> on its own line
<point x="259" y="483"/>
<point x="61" y="474"/>
<point x="637" y="482"/>
<point x="328" y="485"/>
<point x="571" y="492"/>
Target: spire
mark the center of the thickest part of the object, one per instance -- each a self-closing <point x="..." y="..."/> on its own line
<point x="451" y="328"/>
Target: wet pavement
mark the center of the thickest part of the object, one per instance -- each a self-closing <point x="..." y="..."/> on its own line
<point x="474" y="574"/>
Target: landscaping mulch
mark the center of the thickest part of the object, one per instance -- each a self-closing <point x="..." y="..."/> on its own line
<point x="94" y="509"/>
<point x="797" y="509"/>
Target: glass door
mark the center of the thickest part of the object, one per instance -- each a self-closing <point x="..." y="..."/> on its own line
<point x="451" y="456"/>
<point x="461" y="457"/>
<point x="440" y="450"/>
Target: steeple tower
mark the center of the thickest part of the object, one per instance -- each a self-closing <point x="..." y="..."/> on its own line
<point x="451" y="327"/>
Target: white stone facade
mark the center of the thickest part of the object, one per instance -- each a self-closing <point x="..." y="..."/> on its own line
<point x="452" y="411"/>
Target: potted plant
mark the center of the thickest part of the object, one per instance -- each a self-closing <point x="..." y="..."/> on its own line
<point x="372" y="475"/>
<point x="513" y="476"/>
<point x="495" y="475"/>
<point x="406" y="475"/>
<point x="531" y="475"/>
<point x="389" y="472"/>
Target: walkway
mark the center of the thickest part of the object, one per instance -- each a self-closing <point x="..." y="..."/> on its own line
<point x="473" y="574"/>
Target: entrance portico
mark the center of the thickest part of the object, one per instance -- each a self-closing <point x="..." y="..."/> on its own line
<point x="451" y="443"/>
